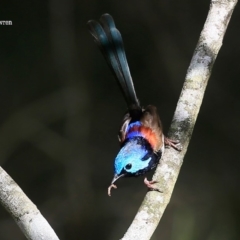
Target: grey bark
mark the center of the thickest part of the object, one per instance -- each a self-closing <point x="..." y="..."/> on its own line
<point x="24" y="212"/>
<point x="189" y="103"/>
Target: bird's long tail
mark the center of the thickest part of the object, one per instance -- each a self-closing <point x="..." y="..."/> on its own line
<point x="110" y="42"/>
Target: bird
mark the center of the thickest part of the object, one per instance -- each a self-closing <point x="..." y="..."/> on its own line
<point x="141" y="137"/>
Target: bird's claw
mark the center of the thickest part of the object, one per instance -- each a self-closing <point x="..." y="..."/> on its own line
<point x="109" y="189"/>
<point x="173" y="143"/>
<point x="150" y="186"/>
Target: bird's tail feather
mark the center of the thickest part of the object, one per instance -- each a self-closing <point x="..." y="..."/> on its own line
<point x="110" y="43"/>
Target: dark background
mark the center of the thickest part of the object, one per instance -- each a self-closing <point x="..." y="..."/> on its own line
<point x="60" y="110"/>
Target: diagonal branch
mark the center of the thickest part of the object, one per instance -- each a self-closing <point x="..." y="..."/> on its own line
<point x="24" y="212"/>
<point x="189" y="103"/>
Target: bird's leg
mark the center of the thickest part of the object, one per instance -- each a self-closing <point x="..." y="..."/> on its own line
<point x="149" y="184"/>
<point x="173" y="143"/>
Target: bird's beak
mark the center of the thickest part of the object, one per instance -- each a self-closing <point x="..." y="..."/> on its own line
<point x="116" y="177"/>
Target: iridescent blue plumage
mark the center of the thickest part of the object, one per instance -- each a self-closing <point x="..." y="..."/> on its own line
<point x="126" y="159"/>
<point x="110" y="43"/>
<point x="140" y="136"/>
<point x="135" y="158"/>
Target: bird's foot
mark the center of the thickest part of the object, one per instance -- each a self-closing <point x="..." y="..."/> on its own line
<point x="150" y="186"/>
<point x="173" y="143"/>
<point x="109" y="189"/>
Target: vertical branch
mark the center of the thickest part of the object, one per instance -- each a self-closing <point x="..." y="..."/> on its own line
<point x="24" y="212"/>
<point x="208" y="46"/>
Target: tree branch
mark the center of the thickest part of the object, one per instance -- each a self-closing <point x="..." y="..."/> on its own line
<point x="24" y="212"/>
<point x="189" y="103"/>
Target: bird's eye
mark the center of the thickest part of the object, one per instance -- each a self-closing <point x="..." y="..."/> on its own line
<point x="128" y="166"/>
